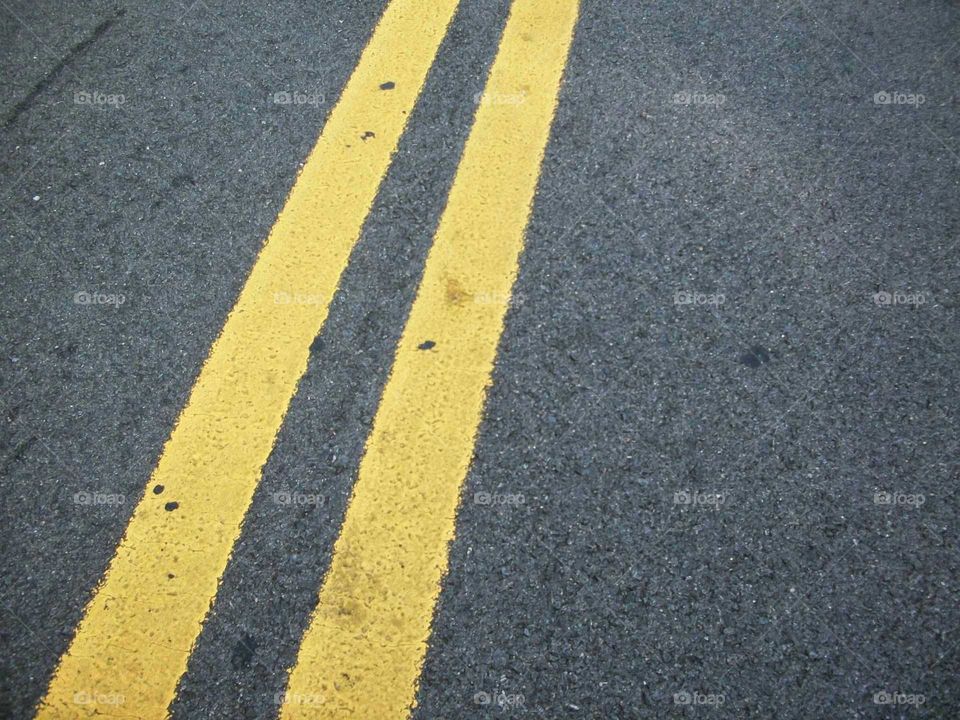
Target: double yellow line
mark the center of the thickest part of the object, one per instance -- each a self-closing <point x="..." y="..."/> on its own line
<point x="362" y="653"/>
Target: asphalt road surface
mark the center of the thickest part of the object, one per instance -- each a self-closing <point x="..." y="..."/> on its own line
<point x="599" y="360"/>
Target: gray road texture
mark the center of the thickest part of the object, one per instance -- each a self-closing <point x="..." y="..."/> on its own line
<point x="725" y="407"/>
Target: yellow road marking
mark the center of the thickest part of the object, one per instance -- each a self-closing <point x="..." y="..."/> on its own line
<point x="362" y="654"/>
<point x="135" y="638"/>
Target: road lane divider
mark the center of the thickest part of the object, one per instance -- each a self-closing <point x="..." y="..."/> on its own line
<point x="362" y="654"/>
<point x="135" y="637"/>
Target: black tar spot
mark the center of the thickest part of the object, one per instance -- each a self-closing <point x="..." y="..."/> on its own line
<point x="171" y="506"/>
<point x="157" y="489"/>
<point x="756" y="357"/>
<point x="389" y="85"/>
<point x="68" y="350"/>
<point x="426" y="345"/>
<point x="182" y="180"/>
<point x="243" y="652"/>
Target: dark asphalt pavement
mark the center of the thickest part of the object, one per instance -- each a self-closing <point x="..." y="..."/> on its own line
<point x="725" y="404"/>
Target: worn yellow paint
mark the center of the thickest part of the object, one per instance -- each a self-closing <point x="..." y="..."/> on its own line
<point x="362" y="654"/>
<point x="135" y="638"/>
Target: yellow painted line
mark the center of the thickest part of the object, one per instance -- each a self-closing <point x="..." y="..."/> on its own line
<point x="135" y="638"/>
<point x="362" y="654"/>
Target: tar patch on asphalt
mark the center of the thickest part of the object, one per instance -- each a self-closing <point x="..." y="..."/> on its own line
<point x="243" y="652"/>
<point x="181" y="181"/>
<point x="756" y="357"/>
